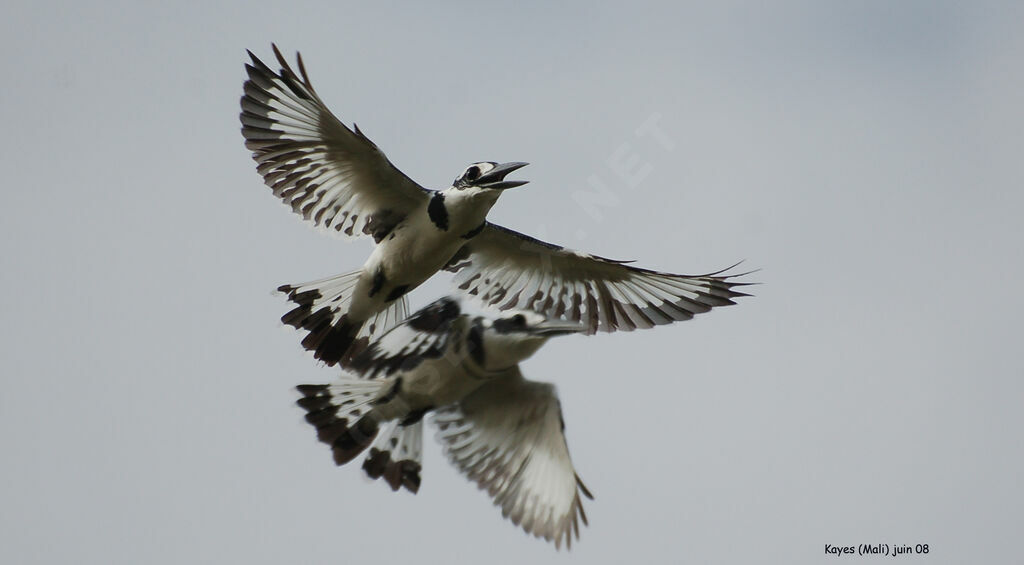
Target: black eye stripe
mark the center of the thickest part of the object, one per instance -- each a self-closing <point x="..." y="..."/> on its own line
<point x="508" y="325"/>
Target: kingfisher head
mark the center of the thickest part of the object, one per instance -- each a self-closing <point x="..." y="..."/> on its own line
<point x="517" y="335"/>
<point x="488" y="175"/>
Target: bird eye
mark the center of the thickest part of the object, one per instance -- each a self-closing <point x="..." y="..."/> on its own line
<point x="472" y="173"/>
<point x="518" y="320"/>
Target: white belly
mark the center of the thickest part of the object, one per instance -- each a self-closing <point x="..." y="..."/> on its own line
<point x="405" y="260"/>
<point x="413" y="256"/>
<point x="413" y="252"/>
<point x="437" y="382"/>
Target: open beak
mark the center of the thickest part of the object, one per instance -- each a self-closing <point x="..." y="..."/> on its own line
<point x="495" y="178"/>
<point x="552" y="328"/>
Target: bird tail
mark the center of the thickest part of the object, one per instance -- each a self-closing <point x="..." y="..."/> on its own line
<point x="343" y="414"/>
<point x="344" y="417"/>
<point x="397" y="456"/>
<point x="322" y="310"/>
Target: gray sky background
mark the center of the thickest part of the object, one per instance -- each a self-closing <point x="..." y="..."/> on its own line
<point x="866" y="155"/>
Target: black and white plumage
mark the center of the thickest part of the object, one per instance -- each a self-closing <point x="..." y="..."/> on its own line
<point x="339" y="180"/>
<point x="504" y="432"/>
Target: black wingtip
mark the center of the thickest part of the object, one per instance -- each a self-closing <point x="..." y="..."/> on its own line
<point x="314" y="402"/>
<point x="410" y="474"/>
<point x="586" y="492"/>
<point x="376" y="463"/>
<point x="397" y="474"/>
<point x="280" y="57"/>
<point x="257" y="66"/>
<point x="332" y="344"/>
<point x="302" y="69"/>
<point x="311" y="390"/>
<point x="347" y="440"/>
<point x="354" y="440"/>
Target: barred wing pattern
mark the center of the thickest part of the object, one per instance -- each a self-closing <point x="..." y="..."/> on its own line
<point x="507" y="436"/>
<point x="506" y="269"/>
<point x="424" y="335"/>
<point x="335" y="177"/>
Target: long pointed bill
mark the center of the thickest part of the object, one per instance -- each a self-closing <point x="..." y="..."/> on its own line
<point x="551" y="328"/>
<point x="495" y="178"/>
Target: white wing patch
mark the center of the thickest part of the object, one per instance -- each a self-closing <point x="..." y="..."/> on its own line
<point x="424" y="335"/>
<point x="506" y="269"/>
<point x="508" y="438"/>
<point x="335" y="177"/>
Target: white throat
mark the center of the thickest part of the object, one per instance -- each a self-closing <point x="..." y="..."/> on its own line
<point x="505" y="350"/>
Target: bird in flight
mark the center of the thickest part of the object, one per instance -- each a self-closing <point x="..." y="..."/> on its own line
<point x="338" y="179"/>
<point x="504" y="432"/>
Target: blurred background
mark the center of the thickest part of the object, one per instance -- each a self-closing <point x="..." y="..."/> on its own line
<point x="866" y="156"/>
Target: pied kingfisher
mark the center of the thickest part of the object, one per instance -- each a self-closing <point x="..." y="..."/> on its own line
<point x="502" y="431"/>
<point x="338" y="179"/>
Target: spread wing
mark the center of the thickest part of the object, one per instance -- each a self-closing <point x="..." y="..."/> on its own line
<point x="335" y="177"/>
<point x="507" y="269"/>
<point x="507" y="437"/>
<point x="424" y="335"/>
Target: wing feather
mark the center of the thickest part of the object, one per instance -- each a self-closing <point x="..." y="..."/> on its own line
<point x="507" y="269"/>
<point x="333" y="176"/>
<point x="507" y="437"/>
<point x="424" y="335"/>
